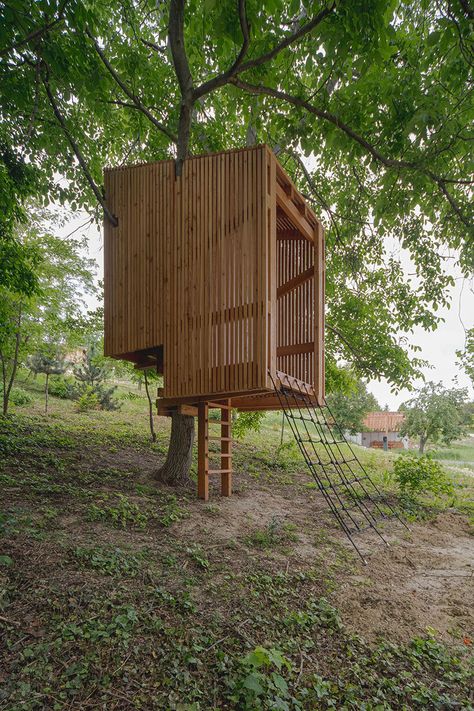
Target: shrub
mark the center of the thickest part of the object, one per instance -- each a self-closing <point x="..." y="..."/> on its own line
<point x="20" y="397"/>
<point x="60" y="387"/>
<point x="416" y="475"/>
<point x="88" y="401"/>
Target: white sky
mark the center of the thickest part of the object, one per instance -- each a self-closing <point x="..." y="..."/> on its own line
<point x="438" y="347"/>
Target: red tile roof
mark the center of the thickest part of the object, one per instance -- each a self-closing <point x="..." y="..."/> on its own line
<point x="383" y="421"/>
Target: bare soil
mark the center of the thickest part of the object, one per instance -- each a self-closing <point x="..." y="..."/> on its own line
<point x="424" y="579"/>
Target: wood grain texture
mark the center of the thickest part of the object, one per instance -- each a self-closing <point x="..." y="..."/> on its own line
<point x="217" y="274"/>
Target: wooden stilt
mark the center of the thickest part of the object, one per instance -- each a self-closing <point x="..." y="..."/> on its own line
<point x="203" y="451"/>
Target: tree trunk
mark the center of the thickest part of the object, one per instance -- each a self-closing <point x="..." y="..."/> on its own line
<point x="150" y="409"/>
<point x="421" y="447"/>
<point x="175" y="471"/>
<point x="46" y="394"/>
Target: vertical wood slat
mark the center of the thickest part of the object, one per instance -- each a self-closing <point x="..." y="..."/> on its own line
<point x="192" y="267"/>
<point x="320" y="281"/>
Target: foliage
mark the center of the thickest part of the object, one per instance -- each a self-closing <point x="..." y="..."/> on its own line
<point x="263" y="684"/>
<point x="121" y="514"/>
<point x="170" y="626"/>
<point x="275" y="533"/>
<point x="48" y="363"/>
<point x="466" y="355"/>
<point x="27" y="323"/>
<point x="377" y="95"/>
<point x="247" y="422"/>
<point x="20" y="397"/>
<point x="91" y="376"/>
<point x="61" y="387"/>
<point x="44" y="362"/>
<point x="87" y="399"/>
<point x="349" y="408"/>
<point x="108" y="561"/>
<point x="417" y="475"/>
<point x="18" y="261"/>
<point x="435" y="414"/>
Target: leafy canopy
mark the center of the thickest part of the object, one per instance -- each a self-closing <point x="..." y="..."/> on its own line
<point x="349" y="408"/>
<point x="366" y="102"/>
<point x="435" y="414"/>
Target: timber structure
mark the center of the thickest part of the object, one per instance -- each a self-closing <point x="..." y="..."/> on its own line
<point x="215" y="278"/>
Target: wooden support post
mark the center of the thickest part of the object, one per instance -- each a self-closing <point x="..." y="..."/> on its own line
<point x="226" y="450"/>
<point x="203" y="451"/>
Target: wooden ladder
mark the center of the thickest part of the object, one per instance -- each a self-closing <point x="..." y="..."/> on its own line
<point x="225" y="439"/>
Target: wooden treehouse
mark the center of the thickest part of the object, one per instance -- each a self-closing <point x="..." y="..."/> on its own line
<point x="216" y="279"/>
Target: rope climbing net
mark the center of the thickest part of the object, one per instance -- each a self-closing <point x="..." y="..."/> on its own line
<point x="353" y="498"/>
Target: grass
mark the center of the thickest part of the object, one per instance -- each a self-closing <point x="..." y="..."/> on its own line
<point x="114" y="594"/>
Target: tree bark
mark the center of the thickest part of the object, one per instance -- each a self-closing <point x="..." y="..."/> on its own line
<point x="7" y="386"/>
<point x="421" y="447"/>
<point x="175" y="470"/>
<point x="150" y="409"/>
<point x="46" y="388"/>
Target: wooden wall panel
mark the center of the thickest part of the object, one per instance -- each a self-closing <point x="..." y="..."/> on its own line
<point x="218" y="277"/>
<point x="195" y="264"/>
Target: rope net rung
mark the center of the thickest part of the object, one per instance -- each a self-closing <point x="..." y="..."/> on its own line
<point x="351" y="495"/>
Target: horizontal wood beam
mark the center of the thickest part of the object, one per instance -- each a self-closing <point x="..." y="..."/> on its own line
<point x="167" y="411"/>
<point x="295" y="282"/>
<point x="290" y="209"/>
<point x="290" y="188"/>
<point x="286" y="234"/>
<point x="295" y="349"/>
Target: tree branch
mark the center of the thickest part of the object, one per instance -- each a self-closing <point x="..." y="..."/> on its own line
<point x="185" y="80"/>
<point x="359" y="359"/>
<point x="467" y="9"/>
<point x="34" y="35"/>
<point x="288" y="40"/>
<point x="223" y="78"/>
<point x="75" y="148"/>
<point x="128" y="92"/>
<point x="153" y="46"/>
<point x="369" y="147"/>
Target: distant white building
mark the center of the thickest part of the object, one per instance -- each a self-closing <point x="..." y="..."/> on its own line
<point x="382" y="431"/>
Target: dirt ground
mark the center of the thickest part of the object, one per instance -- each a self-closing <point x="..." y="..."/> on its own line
<point x="424" y="579"/>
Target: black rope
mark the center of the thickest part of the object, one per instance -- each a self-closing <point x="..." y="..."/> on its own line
<point x="353" y="498"/>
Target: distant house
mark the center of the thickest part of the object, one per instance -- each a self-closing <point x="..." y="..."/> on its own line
<point x="383" y="428"/>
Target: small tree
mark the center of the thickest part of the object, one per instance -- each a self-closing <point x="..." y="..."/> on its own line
<point x="48" y="364"/>
<point x="435" y="414"/>
<point x="92" y="375"/>
<point x="350" y="407"/>
<point x="63" y="276"/>
<point x="147" y="376"/>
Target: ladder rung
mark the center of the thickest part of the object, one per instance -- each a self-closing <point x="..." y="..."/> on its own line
<point x="219" y="471"/>
<point x="306" y="419"/>
<point x="222" y="439"/>
<point x="219" y="422"/>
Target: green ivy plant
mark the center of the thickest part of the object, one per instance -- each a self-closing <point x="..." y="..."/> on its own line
<point x="418" y="475"/>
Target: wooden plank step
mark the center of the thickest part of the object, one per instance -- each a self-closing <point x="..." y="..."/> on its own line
<point x="219" y="471"/>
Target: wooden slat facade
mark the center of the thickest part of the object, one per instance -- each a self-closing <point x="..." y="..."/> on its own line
<point x="216" y="276"/>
